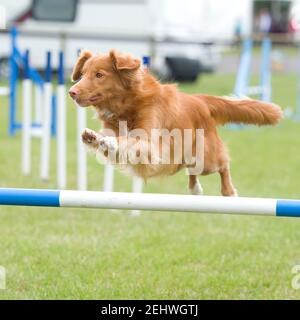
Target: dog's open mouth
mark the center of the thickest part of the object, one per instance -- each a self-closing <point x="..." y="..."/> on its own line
<point x="88" y="101"/>
<point x="95" y="98"/>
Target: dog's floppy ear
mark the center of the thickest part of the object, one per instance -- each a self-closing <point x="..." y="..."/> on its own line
<point x="84" y="56"/>
<point x="122" y="62"/>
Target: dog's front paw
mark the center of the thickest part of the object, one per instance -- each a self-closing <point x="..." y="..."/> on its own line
<point x="108" y="144"/>
<point x="90" y="138"/>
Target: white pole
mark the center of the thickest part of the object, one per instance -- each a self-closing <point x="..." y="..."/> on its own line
<point x="153" y="202"/>
<point x="38" y="104"/>
<point x="137" y="183"/>
<point x="46" y="132"/>
<point x="174" y="202"/>
<point x="61" y="138"/>
<point x="61" y="122"/>
<point x="108" y="181"/>
<point x="81" y="152"/>
<point x="137" y="187"/>
<point x="26" y="127"/>
<point x="4" y="91"/>
<point x="46" y="124"/>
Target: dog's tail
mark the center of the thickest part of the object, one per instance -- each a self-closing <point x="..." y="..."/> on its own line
<point x="248" y="111"/>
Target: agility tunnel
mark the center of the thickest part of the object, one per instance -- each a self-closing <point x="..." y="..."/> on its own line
<point x="150" y="202"/>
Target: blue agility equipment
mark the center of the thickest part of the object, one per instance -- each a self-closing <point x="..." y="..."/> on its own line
<point x="151" y="202"/>
<point x="18" y="60"/>
<point x="61" y="74"/>
<point x="146" y="61"/>
<point x="242" y="89"/>
<point x="266" y="71"/>
<point x="26" y="65"/>
<point x="242" y="78"/>
<point x="263" y="90"/>
<point x="48" y="71"/>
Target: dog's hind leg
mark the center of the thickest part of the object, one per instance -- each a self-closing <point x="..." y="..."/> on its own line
<point x="227" y="187"/>
<point x="194" y="185"/>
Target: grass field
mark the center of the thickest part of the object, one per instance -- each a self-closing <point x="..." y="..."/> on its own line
<point x="100" y="254"/>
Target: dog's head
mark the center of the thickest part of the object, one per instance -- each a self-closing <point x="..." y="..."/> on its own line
<point x="100" y="77"/>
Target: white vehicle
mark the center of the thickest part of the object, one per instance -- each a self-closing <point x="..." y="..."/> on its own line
<point x="136" y="26"/>
<point x="159" y="28"/>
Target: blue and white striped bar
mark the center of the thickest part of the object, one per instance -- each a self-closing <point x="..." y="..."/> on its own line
<point x="150" y="201"/>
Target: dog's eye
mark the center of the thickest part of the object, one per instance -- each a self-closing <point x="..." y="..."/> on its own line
<point x="99" y="75"/>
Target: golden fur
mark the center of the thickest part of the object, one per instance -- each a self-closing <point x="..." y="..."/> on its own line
<point x="119" y="89"/>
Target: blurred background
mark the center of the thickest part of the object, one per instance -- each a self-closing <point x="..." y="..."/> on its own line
<point x="198" y="31"/>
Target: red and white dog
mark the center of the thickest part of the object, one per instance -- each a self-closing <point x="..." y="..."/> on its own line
<point x="120" y="90"/>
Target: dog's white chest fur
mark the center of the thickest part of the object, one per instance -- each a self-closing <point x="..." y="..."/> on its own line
<point x="106" y="114"/>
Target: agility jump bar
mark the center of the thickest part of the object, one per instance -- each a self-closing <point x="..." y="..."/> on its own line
<point x="149" y="201"/>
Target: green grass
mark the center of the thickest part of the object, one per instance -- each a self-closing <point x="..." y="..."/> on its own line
<point x="100" y="254"/>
